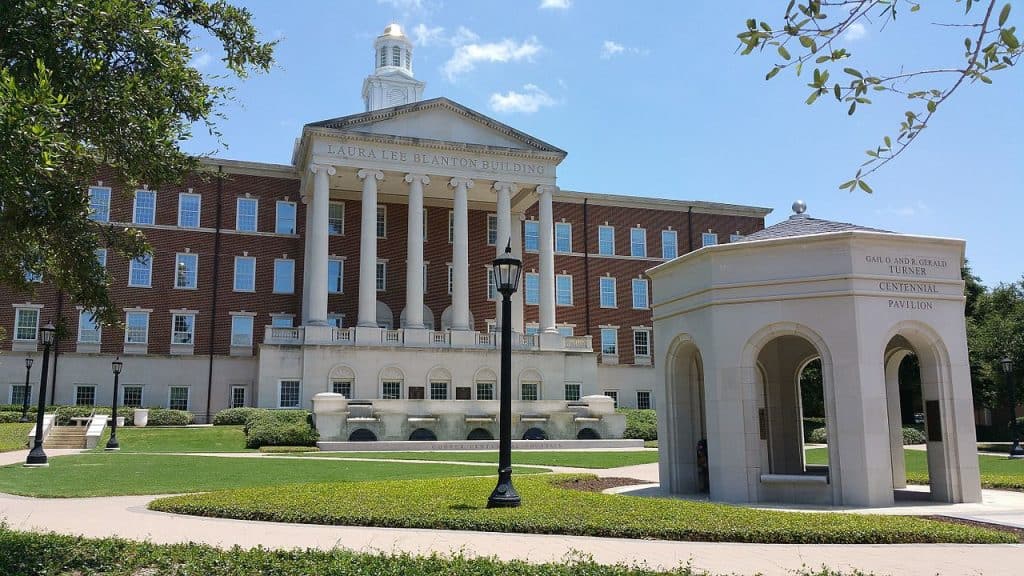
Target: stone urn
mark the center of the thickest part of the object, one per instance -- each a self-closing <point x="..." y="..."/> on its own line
<point x="141" y="417"/>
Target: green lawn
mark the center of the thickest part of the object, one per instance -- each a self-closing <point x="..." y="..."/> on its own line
<point x="996" y="471"/>
<point x="197" y="439"/>
<point x="123" y="474"/>
<point x="459" y="504"/>
<point x="571" y="459"/>
<point x="14" y="436"/>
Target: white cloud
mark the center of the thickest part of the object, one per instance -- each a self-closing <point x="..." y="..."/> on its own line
<point x="467" y="56"/>
<point x="855" y="32"/>
<point x="201" y="61"/>
<point x="610" y="48"/>
<point x="463" y="36"/>
<point x="555" y="4"/>
<point x="403" y="4"/>
<point x="425" y="35"/>
<point x="531" y="99"/>
<point x="918" y="209"/>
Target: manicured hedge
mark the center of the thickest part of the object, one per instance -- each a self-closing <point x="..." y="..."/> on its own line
<point x="810" y="425"/>
<point x="166" y="417"/>
<point x="288" y="449"/>
<point x="910" y="436"/>
<point x="640" y="424"/>
<point x="280" y="428"/>
<point x="66" y="413"/>
<point x="460" y="504"/>
<point x="234" y="416"/>
<point x="818" y="436"/>
<point x="10" y="417"/>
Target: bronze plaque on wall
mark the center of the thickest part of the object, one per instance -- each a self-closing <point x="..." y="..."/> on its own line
<point x="934" y="423"/>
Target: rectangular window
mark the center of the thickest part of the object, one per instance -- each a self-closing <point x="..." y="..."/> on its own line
<point x="178" y="398"/>
<point x="416" y="393"/>
<point x="532" y="329"/>
<point x="288" y="394"/>
<point x="241" y="331"/>
<point x="238" y="394"/>
<point x="284" y="276"/>
<point x="33" y="277"/>
<point x="136" y="328"/>
<point x="131" y="396"/>
<point x="708" y="239"/>
<point x="565" y="330"/>
<point x="606" y="240"/>
<point x="101" y="257"/>
<point x="144" y="211"/>
<point x="530" y="391"/>
<point x="336" y="320"/>
<point x="88" y="328"/>
<point x="85" y="395"/>
<point x="425" y="224"/>
<point x="638" y="242"/>
<point x="531" y="236"/>
<point x="451" y="278"/>
<point x="382" y="276"/>
<point x="609" y="341"/>
<point x="186" y="271"/>
<point x="18" y="392"/>
<point x="246" y="216"/>
<point x="563" y="237"/>
<point x="396" y="56"/>
<point x="735" y="237"/>
<point x="492" y="285"/>
<point x="643" y="399"/>
<point x="492" y="229"/>
<point x="26" y="323"/>
<point x="485" y="390"/>
<point x="531" y="288"/>
<point x="281" y="320"/>
<point x="336" y="218"/>
<point x="614" y="395"/>
<point x="640" y="294"/>
<point x="438" y="390"/>
<point x="343" y="387"/>
<point x="641" y="343"/>
<point x="245" y="274"/>
<point x="451" y="227"/>
<point x="424" y="278"/>
<point x="563" y="290"/>
<point x="188" y="210"/>
<point x="608" y="299"/>
<point x="335" y="272"/>
<point x="99" y="204"/>
<point x="285" y="220"/>
<point x="140" y="272"/>
<point x="669" y="244"/>
<point x="382" y="221"/>
<point x="183" y="329"/>
<point x="391" y="389"/>
<point x="572" y="391"/>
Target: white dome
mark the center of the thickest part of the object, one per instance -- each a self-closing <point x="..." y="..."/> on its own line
<point x="393" y="29"/>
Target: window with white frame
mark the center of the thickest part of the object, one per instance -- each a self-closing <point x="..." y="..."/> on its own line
<point x="382" y="221"/>
<point x="485" y="390"/>
<point x="241" y="330"/>
<point x="529" y="391"/>
<point x="188" y="210"/>
<point x="26" y="324"/>
<point x="492" y="285"/>
<point x="288" y="394"/>
<point x="183" y="329"/>
<point x="336" y="320"/>
<point x="735" y="237"/>
<point x="284" y="222"/>
<point x="607" y="289"/>
<point x="140" y="272"/>
<point x="144" y="209"/>
<point x="247" y="214"/>
<point x="391" y="390"/>
<point x="614" y="395"/>
<point x="492" y="229"/>
<point x="101" y="257"/>
<point x="382" y="276"/>
<point x="99" y="204"/>
<point x="439" y="390"/>
<point x="563" y="237"/>
<point x="18" y="392"/>
<point x="638" y="242"/>
<point x="186" y="271"/>
<point x="85" y="395"/>
<point x="384" y="56"/>
<point x="606" y="240"/>
<point x="136" y="328"/>
<point x="708" y="239"/>
<point x="451" y="227"/>
<point x="531" y="288"/>
<point x="451" y="278"/>
<point x="609" y="341"/>
<point x="425" y="224"/>
<point x="238" y="394"/>
<point x="643" y="399"/>
<point x="178" y="397"/>
<point x="342" y="386"/>
<point x="424" y="277"/>
<point x="669" y="244"/>
<point x="531" y="235"/>
<point x="282" y="320"/>
<point x="33" y="276"/>
<point x="642" y="343"/>
<point x="284" y="276"/>
<point x="131" y="396"/>
<point x="563" y="290"/>
<point x="88" y="328"/>
<point x="640" y="301"/>
<point x="335" y="273"/>
<point x="396" y="56"/>
<point x="245" y="274"/>
<point x="572" y="391"/>
<point x="565" y="330"/>
<point x="336" y="218"/>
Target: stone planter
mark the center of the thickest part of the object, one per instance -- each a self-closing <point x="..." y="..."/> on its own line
<point x="141" y="417"/>
<point x="120" y="421"/>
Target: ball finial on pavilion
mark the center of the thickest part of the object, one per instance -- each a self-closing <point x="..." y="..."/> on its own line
<point x="799" y="207"/>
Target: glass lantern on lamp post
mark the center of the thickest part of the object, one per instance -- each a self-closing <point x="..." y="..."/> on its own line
<point x="24" y="401"/>
<point x="112" y="444"/>
<point x="505" y="269"/>
<point x="37" y="457"/>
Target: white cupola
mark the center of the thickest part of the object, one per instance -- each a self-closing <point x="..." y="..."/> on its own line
<point x="392" y="82"/>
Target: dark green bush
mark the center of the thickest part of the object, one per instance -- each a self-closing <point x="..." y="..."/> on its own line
<point x="640" y="424"/>
<point x="66" y="413"/>
<point x="7" y="417"/>
<point x="166" y="417"/>
<point x="912" y="436"/>
<point x="234" y="416"/>
<point x="280" y="428"/>
<point x="288" y="449"/>
<point x="818" y="436"/>
<point x="810" y="425"/>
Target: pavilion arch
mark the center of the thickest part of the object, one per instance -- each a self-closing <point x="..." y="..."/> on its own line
<point x="428" y="318"/>
<point x="387" y="379"/>
<point x="446" y="319"/>
<point x="339" y="375"/>
<point x="385" y="317"/>
<point x="685" y="419"/>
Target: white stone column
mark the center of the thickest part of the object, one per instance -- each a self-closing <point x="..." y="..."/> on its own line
<point x="316" y="256"/>
<point x="414" y="255"/>
<point x="307" y="202"/>
<point x="460" y="255"/>
<point x="503" y="238"/>
<point x="547" y="260"/>
<point x="368" y="249"/>
<point x="517" y="251"/>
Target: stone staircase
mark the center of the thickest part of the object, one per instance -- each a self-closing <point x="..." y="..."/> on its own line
<point x="66" y="437"/>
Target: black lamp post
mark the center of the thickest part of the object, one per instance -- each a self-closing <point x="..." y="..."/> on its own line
<point x="37" y="457"/>
<point x="112" y="444"/>
<point x="506" y="270"/>
<point x="1016" y="451"/>
<point x="24" y="405"/>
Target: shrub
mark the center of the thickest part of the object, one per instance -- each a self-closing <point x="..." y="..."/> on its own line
<point x="640" y="424"/>
<point x="912" y="436"/>
<point x="818" y="436"/>
<point x="280" y="428"/>
<point x="810" y="425"/>
<point x="66" y="413"/>
<point x="10" y="417"/>
<point x="288" y="449"/>
<point x="234" y="416"/>
<point x="166" y="417"/>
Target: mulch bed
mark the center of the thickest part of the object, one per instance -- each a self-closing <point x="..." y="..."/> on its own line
<point x="598" y="484"/>
<point x="1018" y="532"/>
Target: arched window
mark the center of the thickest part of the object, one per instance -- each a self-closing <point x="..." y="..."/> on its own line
<point x="396" y="56"/>
<point x="384" y="56"/>
<point x="392" y="381"/>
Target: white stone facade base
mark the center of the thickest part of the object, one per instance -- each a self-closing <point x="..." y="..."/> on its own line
<point x="551" y="341"/>
<point x="463" y="445"/>
<point x="463" y="338"/>
<point x="416" y="336"/>
<point x="368" y="335"/>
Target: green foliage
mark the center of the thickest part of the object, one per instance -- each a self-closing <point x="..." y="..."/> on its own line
<point x="66" y="413"/>
<point x="94" y="84"/>
<point x="460" y="504"/>
<point x="810" y="424"/>
<point x="818" y="436"/>
<point x="178" y="439"/>
<point x="166" y="417"/>
<point x="995" y="331"/>
<point x="288" y="449"/>
<point x="912" y="436"/>
<point x="234" y="416"/>
<point x="9" y="417"/>
<point x="575" y="459"/>
<point x="812" y="390"/>
<point x="640" y="424"/>
<point x="996" y="471"/>
<point x="14" y="436"/>
<point x="280" y="428"/>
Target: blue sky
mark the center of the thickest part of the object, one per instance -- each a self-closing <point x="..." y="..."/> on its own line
<point x="652" y="99"/>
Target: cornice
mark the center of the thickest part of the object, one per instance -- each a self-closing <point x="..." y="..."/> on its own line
<point x="622" y="201"/>
<point x="251" y="168"/>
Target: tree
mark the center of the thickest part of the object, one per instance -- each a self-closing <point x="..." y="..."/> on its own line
<point x="816" y="34"/>
<point x="87" y="85"/>
<point x="996" y="331"/>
